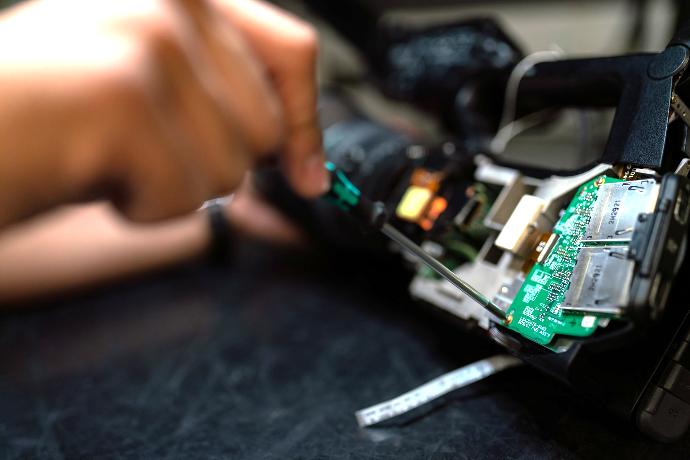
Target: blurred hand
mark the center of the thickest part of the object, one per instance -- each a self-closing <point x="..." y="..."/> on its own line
<point x="157" y="105"/>
<point x="251" y="215"/>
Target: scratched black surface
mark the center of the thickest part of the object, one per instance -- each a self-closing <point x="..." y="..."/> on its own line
<point x="268" y="359"/>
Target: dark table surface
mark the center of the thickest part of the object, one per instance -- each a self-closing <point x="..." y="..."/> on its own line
<point x="269" y="358"/>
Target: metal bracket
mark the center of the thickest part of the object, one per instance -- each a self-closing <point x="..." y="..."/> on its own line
<point x="680" y="110"/>
<point x="684" y="167"/>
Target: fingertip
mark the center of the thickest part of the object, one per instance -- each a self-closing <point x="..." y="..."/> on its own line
<point x="310" y="179"/>
<point x="319" y="177"/>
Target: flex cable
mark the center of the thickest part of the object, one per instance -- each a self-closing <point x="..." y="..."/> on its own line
<point x="434" y="389"/>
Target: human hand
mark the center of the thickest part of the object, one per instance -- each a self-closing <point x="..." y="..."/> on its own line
<point x="156" y="105"/>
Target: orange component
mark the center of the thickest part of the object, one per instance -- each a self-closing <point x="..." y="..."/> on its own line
<point x="427" y="179"/>
<point x="437" y="207"/>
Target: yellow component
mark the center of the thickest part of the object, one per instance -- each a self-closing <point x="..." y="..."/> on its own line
<point x="414" y="203"/>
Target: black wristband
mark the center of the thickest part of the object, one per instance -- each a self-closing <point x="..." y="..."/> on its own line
<point x="221" y="245"/>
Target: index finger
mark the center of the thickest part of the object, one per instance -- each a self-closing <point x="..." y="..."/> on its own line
<point x="288" y="47"/>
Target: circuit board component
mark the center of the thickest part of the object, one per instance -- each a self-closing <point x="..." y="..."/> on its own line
<point x="616" y="209"/>
<point x="597" y="279"/>
<point x="583" y="272"/>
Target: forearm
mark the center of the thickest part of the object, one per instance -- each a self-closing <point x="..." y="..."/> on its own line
<point x="81" y="246"/>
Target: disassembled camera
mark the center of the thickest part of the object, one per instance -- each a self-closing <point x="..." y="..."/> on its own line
<point x="560" y="260"/>
<point x="582" y="262"/>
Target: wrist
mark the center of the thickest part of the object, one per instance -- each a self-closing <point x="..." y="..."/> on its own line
<point x="221" y="234"/>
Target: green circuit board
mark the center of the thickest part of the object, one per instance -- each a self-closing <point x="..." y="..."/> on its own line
<point x="535" y="312"/>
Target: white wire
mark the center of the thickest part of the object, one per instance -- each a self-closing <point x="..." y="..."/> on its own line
<point x="509" y="127"/>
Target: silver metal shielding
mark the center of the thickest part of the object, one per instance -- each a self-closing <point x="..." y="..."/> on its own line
<point x="618" y="204"/>
<point x="600" y="281"/>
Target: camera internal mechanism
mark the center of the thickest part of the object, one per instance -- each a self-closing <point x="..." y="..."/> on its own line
<point x="555" y="253"/>
<point x="582" y="273"/>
